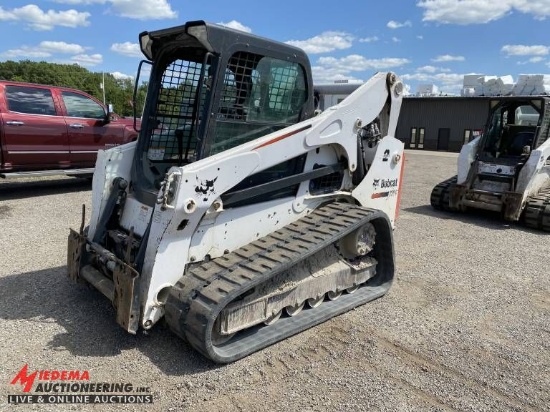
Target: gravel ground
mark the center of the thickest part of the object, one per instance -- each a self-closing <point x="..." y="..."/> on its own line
<point x="466" y="325"/>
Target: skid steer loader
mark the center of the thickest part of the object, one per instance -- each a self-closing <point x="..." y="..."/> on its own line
<point x="238" y="215"/>
<point x="507" y="168"/>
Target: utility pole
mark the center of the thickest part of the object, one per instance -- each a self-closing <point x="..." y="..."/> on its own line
<point x="103" y="86"/>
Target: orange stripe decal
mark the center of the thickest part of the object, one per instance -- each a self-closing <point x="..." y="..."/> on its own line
<point x="281" y="137"/>
<point x="398" y="203"/>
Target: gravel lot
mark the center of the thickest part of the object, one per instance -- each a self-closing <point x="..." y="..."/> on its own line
<point x="466" y="325"/>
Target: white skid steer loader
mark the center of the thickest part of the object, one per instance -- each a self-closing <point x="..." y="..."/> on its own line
<point x="507" y="168"/>
<point x="238" y="215"/>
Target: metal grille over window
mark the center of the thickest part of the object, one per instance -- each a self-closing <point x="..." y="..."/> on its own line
<point x="260" y="95"/>
<point x="177" y="117"/>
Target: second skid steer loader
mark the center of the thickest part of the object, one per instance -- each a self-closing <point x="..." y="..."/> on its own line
<point x="238" y="216"/>
<point x="507" y="168"/>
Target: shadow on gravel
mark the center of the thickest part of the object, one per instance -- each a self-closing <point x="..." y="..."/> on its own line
<point x="482" y="218"/>
<point x="20" y="190"/>
<point x="89" y="320"/>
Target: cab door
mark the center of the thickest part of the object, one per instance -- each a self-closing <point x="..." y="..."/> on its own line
<point x="34" y="133"/>
<point x="88" y="128"/>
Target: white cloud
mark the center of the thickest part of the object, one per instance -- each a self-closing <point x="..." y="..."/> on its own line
<point x="368" y="39"/>
<point x="532" y="60"/>
<point x="432" y="69"/>
<point x="427" y="69"/>
<point x="396" y="25"/>
<point x="127" y="49"/>
<point x="43" y="50"/>
<point x="25" y="52"/>
<point x="420" y="37"/>
<point x="143" y="10"/>
<point x="355" y="62"/>
<point x="325" y="42"/>
<point x="87" y="59"/>
<point x="395" y="39"/>
<point x="323" y="75"/>
<point x="234" y="24"/>
<point x="464" y="12"/>
<point x="448" y="58"/>
<point x="133" y="9"/>
<point x="84" y="2"/>
<point x="122" y="76"/>
<point x="329" y="69"/>
<point x="540" y="9"/>
<point x="38" y="19"/>
<point x="61" y="47"/>
<point x="521" y="50"/>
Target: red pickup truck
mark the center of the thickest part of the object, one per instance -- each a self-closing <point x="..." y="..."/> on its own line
<point x="47" y="130"/>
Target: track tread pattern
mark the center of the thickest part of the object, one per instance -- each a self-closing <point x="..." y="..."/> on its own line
<point x="439" y="198"/>
<point x="537" y="211"/>
<point x="207" y="287"/>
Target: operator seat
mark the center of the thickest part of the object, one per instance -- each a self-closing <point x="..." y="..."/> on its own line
<point x="521" y="139"/>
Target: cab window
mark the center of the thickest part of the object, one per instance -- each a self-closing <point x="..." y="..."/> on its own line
<point x="260" y="95"/>
<point x="31" y="100"/>
<point x="82" y="106"/>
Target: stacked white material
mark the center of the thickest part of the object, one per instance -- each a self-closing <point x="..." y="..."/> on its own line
<point x="468" y="91"/>
<point x="532" y="84"/>
<point x="499" y="86"/>
<point x="506" y="84"/>
<point x="484" y="85"/>
<point x="469" y="83"/>
<point x="473" y="84"/>
<point x="471" y="80"/>
<point x="491" y="88"/>
<point x="427" y="90"/>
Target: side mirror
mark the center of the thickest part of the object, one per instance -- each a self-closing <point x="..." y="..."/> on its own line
<point x="107" y="116"/>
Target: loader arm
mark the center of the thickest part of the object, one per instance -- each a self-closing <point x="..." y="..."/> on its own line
<point x="337" y="127"/>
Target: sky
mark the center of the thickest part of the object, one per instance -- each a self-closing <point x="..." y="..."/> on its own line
<point x="423" y="41"/>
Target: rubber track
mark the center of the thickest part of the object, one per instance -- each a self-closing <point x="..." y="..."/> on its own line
<point x="439" y="198"/>
<point x="207" y="287"/>
<point x="537" y="211"/>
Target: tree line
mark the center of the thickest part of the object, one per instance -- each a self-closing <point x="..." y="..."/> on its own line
<point x="118" y="92"/>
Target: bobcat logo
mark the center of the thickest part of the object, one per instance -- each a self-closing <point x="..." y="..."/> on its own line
<point x="376" y="183"/>
<point x="205" y="188"/>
